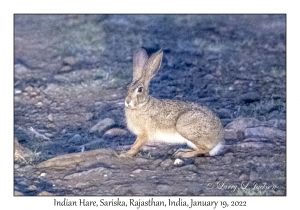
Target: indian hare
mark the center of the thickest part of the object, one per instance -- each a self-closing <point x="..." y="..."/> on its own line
<point x="169" y="121"/>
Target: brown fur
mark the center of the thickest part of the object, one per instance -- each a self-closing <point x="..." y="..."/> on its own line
<point x="168" y="121"/>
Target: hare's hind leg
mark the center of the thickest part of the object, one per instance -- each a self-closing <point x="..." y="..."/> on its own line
<point x="197" y="134"/>
<point x="188" y="153"/>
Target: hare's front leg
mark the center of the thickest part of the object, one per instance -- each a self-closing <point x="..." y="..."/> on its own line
<point x="135" y="148"/>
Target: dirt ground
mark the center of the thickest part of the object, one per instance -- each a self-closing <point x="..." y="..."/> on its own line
<point x="70" y="79"/>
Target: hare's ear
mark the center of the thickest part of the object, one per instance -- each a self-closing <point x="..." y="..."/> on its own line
<point x="140" y="58"/>
<point x="152" y="66"/>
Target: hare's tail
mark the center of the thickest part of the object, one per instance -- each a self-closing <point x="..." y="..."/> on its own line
<point x="216" y="149"/>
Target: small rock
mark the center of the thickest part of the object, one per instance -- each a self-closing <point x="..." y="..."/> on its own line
<point x="277" y="123"/>
<point x="250" y="97"/>
<point x="190" y="167"/>
<point x="20" y="69"/>
<point x="209" y="77"/>
<point x="76" y="139"/>
<point x="45" y="193"/>
<point x="221" y="178"/>
<point x="48" y="134"/>
<point x="228" y="159"/>
<point x="257" y="139"/>
<point x="32" y="94"/>
<point x="29" y="89"/>
<point x="69" y="61"/>
<point x="254" y="145"/>
<point x="43" y="174"/>
<point x="141" y="161"/>
<point x="154" y="164"/>
<point x="253" y="175"/>
<point x="239" y="82"/>
<point x="230" y="134"/>
<point x="66" y="69"/>
<point x="178" y="162"/>
<point x="17" y="91"/>
<point x="240" y="124"/>
<point x="137" y="171"/>
<point x="224" y="113"/>
<point x="280" y="193"/>
<point x="163" y="188"/>
<point x="266" y="132"/>
<point x="166" y="164"/>
<point x="243" y="177"/>
<point x="50" y="117"/>
<point x="17" y="193"/>
<point x="63" y="131"/>
<point x="200" y="160"/>
<point x="89" y="116"/>
<point x="115" y="132"/>
<point x="32" y="187"/>
<point x="102" y="125"/>
<point x="39" y="104"/>
<point x="93" y="144"/>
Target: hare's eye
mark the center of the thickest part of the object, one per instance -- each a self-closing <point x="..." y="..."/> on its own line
<point x="140" y="89"/>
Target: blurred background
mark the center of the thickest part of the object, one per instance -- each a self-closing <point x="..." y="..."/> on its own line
<point x="70" y="71"/>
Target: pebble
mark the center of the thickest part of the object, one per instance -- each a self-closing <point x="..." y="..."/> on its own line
<point x="89" y="116"/>
<point x="20" y="69"/>
<point x="66" y="69"/>
<point x="243" y="177"/>
<point x="17" y="193"/>
<point x="69" y="61"/>
<point x="137" y="171"/>
<point x="250" y="97"/>
<point x="39" y="104"/>
<point x="102" y="125"/>
<point x="163" y="188"/>
<point x="253" y="175"/>
<point x="224" y="113"/>
<point x="201" y="160"/>
<point x="48" y="134"/>
<point x="190" y="167"/>
<point x="166" y="164"/>
<point x="32" y="187"/>
<point x="141" y="161"/>
<point x="93" y="144"/>
<point x="76" y="139"/>
<point x="116" y="132"/>
<point x="240" y="124"/>
<point x="230" y="134"/>
<point x="32" y="94"/>
<point x="209" y="77"/>
<point x="17" y="91"/>
<point x="178" y="162"/>
<point x="228" y="159"/>
<point x="29" y="89"/>
<point x="50" y="117"/>
<point x="254" y="144"/>
<point x="270" y="133"/>
<point x="45" y="193"/>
